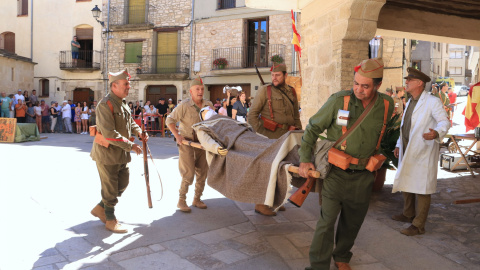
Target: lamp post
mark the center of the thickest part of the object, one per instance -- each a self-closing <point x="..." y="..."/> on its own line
<point x="96" y="12"/>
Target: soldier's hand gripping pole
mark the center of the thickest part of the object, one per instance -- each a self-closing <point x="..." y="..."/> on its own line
<point x="145" y="163"/>
<point x="259" y="75"/>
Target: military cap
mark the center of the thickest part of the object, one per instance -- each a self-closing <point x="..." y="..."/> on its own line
<point x="371" y="68"/>
<point x="121" y="75"/>
<point x="399" y="88"/>
<point x="278" y="68"/>
<point x="197" y="81"/>
<point x="389" y="90"/>
<point x="417" y="74"/>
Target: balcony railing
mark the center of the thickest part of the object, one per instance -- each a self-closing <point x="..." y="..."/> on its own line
<point x="163" y="64"/>
<point x="224" y="4"/>
<point x="86" y="60"/>
<point x="247" y="57"/>
<point x="130" y="15"/>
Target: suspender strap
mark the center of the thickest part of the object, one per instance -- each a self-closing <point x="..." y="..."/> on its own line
<point x="109" y="103"/>
<point x="385" y="103"/>
<point x="346" y="100"/>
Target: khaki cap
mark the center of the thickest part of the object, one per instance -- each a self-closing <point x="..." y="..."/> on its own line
<point x="197" y="81"/>
<point x="399" y="88"/>
<point x="121" y="75"/>
<point x="278" y="68"/>
<point x="389" y="90"/>
<point x="417" y="74"/>
<point x="370" y="68"/>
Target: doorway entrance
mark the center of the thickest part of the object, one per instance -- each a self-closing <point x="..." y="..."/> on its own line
<point x="155" y="92"/>
<point x="83" y="94"/>
<point x="85" y="53"/>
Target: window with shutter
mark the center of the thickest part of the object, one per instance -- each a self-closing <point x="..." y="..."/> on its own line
<point x="167" y="52"/>
<point x="136" y="11"/>
<point x="8" y="41"/>
<point x="22" y="7"/>
<point x="132" y="51"/>
<point x="44" y="87"/>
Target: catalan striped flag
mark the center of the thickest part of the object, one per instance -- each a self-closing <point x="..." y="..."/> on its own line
<point x="472" y="110"/>
<point x="296" y="37"/>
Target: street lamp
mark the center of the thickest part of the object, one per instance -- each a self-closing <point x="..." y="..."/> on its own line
<point x="96" y="14"/>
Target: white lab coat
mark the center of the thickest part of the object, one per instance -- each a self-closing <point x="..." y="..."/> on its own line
<point x="418" y="166"/>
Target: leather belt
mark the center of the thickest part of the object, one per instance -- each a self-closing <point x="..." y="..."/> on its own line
<point x="285" y="126"/>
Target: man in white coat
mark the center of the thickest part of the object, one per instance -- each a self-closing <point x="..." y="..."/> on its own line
<point x="424" y="124"/>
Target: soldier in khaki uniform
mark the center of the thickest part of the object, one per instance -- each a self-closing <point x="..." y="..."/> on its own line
<point x="345" y="193"/>
<point x="116" y="125"/>
<point x="192" y="162"/>
<point x="397" y="99"/>
<point x="285" y="110"/>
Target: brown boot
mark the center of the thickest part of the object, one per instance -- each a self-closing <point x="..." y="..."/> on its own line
<point x="402" y="218"/>
<point x="264" y="210"/>
<point x="182" y="205"/>
<point x="199" y="204"/>
<point x="99" y="212"/>
<point x="114" y="226"/>
<point x="412" y="230"/>
<point x="282" y="208"/>
<point x="343" y="266"/>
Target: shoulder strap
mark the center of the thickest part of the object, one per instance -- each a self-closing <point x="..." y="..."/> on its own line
<point x="269" y="96"/>
<point x="358" y="122"/>
<point x="109" y="103"/>
<point x="346" y="100"/>
<point x="386" y="103"/>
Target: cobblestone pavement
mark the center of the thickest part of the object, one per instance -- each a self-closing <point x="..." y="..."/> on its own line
<point x="49" y="187"/>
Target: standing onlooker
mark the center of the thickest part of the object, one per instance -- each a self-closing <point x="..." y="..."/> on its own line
<point x="20" y="110"/>
<point x="397" y="99"/>
<point x="93" y="114"/>
<point x="5" y="105"/>
<point x="78" y="117"/>
<point x="12" y="106"/>
<point x="30" y="113"/>
<point x="162" y="110"/>
<point x="223" y="109"/>
<point x="75" y="47"/>
<point x="130" y="106"/>
<point x="239" y="110"/>
<point x="217" y="105"/>
<point x="84" y="118"/>
<point x="137" y="110"/>
<point x="59" y="125"/>
<point x="53" y="116"/>
<point x="452" y="96"/>
<point x="38" y="116"/>
<point x="230" y="101"/>
<point x="171" y="105"/>
<point x="147" y="105"/>
<point x="45" y="116"/>
<point x="424" y="125"/>
<point x="72" y="109"/>
<point x="67" y="115"/>
<point x="27" y="99"/>
<point x="19" y="96"/>
<point x="33" y="97"/>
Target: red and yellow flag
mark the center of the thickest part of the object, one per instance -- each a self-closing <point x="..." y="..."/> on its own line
<point x="472" y="111"/>
<point x="296" y="37"/>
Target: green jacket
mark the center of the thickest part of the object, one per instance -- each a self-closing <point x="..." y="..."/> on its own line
<point x="362" y="141"/>
<point x="117" y="128"/>
<point x="444" y="98"/>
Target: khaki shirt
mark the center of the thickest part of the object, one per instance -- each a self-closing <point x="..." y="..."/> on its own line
<point x="284" y="112"/>
<point x="187" y="115"/>
<point x="117" y="128"/>
<point x="398" y="103"/>
<point x="361" y="143"/>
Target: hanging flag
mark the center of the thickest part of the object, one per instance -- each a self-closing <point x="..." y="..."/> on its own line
<point x="296" y="37"/>
<point x="472" y="111"/>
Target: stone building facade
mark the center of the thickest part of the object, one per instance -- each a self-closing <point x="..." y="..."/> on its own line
<point x="17" y="72"/>
<point x="158" y="71"/>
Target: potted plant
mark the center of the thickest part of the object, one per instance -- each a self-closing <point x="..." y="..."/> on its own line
<point x="220" y="63"/>
<point x="387" y="146"/>
<point x="277" y="59"/>
<point x="139" y="70"/>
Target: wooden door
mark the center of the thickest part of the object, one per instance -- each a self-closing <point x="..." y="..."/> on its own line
<point x="83" y="94"/>
<point x="155" y="92"/>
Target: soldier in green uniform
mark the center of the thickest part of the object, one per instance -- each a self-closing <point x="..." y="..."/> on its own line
<point x="112" y="153"/>
<point x="192" y="162"/>
<point x="345" y="192"/>
<point x="282" y="104"/>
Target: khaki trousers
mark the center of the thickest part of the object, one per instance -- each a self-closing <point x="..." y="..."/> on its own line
<point x="114" y="179"/>
<point x="192" y="162"/>
<point x="423" y="206"/>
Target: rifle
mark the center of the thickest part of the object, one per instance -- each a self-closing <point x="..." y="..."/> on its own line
<point x="145" y="163"/>
<point x="259" y="75"/>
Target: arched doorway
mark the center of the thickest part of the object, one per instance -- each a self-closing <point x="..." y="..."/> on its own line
<point x="155" y="92"/>
<point x="83" y="94"/>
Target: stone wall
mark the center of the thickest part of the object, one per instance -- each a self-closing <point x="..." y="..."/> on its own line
<point x="393" y="51"/>
<point x="16" y="74"/>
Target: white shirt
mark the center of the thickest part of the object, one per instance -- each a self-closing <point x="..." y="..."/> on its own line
<point x="66" y="111"/>
<point x="37" y="110"/>
<point x="17" y="97"/>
